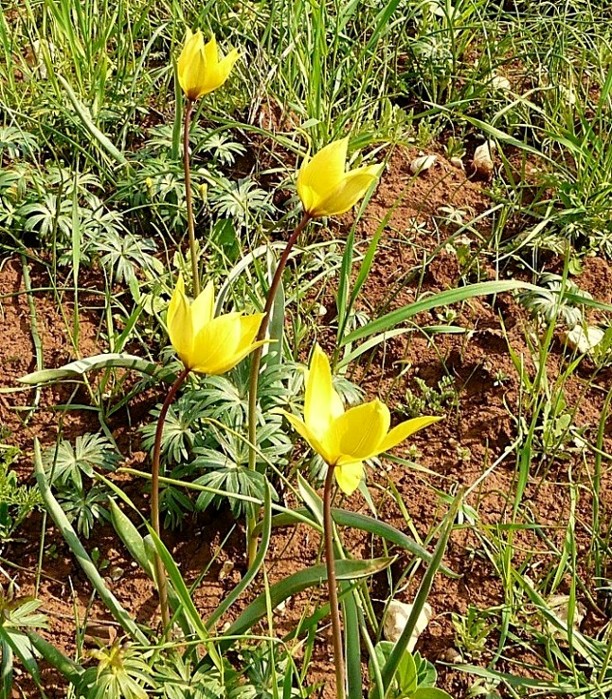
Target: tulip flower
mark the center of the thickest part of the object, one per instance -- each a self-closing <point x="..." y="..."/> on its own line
<point x="205" y="344"/>
<point x="323" y="186"/>
<point x="199" y="69"/>
<point x="346" y="438"/>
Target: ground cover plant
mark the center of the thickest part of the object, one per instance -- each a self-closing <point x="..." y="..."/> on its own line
<point x="306" y="349"/>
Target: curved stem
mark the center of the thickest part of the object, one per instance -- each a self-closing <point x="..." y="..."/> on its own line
<point x="332" y="587"/>
<point x="159" y="569"/>
<point x="256" y="364"/>
<point x="189" y="200"/>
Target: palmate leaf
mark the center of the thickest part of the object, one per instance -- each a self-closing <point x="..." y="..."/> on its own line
<point x="222" y="474"/>
<point x="66" y="462"/>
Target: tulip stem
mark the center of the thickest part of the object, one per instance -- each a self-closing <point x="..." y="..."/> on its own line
<point x="330" y="563"/>
<point x="159" y="569"/>
<point x="256" y="365"/>
<point x="189" y="200"/>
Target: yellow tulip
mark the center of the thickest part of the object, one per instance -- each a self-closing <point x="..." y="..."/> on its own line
<point x="205" y="344"/>
<point x="199" y="69"/>
<point x="346" y="438"/>
<point x="325" y="188"/>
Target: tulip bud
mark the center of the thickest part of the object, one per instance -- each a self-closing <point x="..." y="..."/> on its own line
<point x="199" y="69"/>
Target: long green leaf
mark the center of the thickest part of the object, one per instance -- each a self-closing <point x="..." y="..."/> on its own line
<point x="444" y="298"/>
<point x="88" y="566"/>
<point x="366" y="523"/>
<point x="85" y="117"/>
<point x="130" y="536"/>
<point x="6" y="670"/>
<point x="180" y="587"/>
<point x="99" y="361"/>
<point x="296" y="583"/>
<point x="255" y="565"/>
<point x="352" y="642"/>
<point x="20" y="646"/>
<point x="68" y="668"/>
<point x="390" y="668"/>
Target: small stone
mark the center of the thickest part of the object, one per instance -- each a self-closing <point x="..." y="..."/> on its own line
<point x="396" y="619"/>
<point x="225" y="571"/>
<point x="452" y="655"/>
<point x="422" y="163"/>
<point x="483" y="159"/>
<point x="584" y="339"/>
<point x="500" y="82"/>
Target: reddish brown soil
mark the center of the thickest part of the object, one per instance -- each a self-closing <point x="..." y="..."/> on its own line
<point x="457" y="452"/>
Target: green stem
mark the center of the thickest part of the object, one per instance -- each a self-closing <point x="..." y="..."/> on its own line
<point x="256" y="364"/>
<point x="332" y="587"/>
<point x="159" y="569"/>
<point x="189" y="201"/>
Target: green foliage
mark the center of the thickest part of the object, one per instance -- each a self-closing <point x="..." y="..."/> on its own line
<point x="431" y="400"/>
<point x="472" y="631"/>
<point x="17" y="500"/>
<point x="121" y="672"/>
<point x="67" y="464"/>
<point x="415" y="677"/>
<point x="203" y="439"/>
<point x="550" y="303"/>
<point x="84" y="507"/>
<point x="92" y="177"/>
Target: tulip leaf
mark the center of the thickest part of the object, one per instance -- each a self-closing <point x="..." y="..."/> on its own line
<point x="350" y="605"/>
<point x="399" y="649"/>
<point x="355" y="520"/>
<point x="130" y="536"/>
<point x="70" y="537"/>
<point x="6" y="669"/>
<point x="180" y="587"/>
<point x="444" y="298"/>
<point x="66" y="666"/>
<point x="95" y="363"/>
<point x="296" y="583"/>
<point x="83" y="113"/>
<point x="382" y="337"/>
<point x="254" y="566"/>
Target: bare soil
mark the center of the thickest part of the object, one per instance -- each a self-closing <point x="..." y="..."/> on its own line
<point x="427" y="215"/>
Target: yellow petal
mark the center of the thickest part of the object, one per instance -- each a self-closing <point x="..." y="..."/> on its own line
<point x="302" y="429"/>
<point x="349" y="191"/>
<point x="309" y="197"/>
<point x="211" y="53"/>
<point x="216" y="344"/>
<point x="361" y="430"/>
<point x="320" y="176"/>
<point x="224" y="342"/>
<point x="180" y="327"/>
<point x="223" y="69"/>
<point x="349" y="476"/>
<point x="230" y="361"/>
<point x="321" y="402"/>
<point x="203" y="308"/>
<point x="190" y="63"/>
<point x="249" y="327"/>
<point x="405" y="429"/>
<point x="214" y="72"/>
